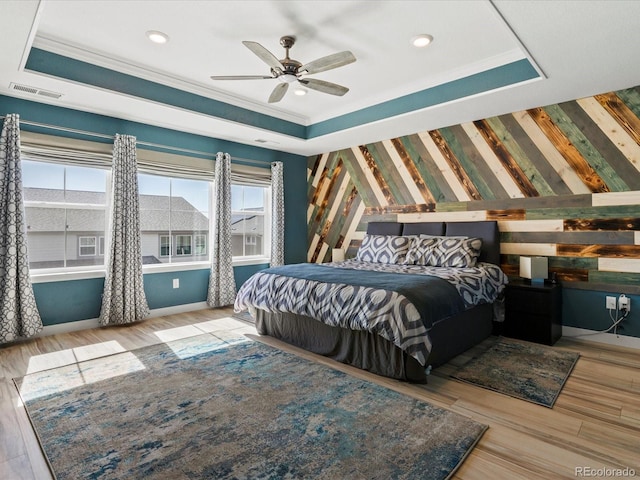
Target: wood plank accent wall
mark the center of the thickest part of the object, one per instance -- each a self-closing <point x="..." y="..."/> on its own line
<point x="563" y="181"/>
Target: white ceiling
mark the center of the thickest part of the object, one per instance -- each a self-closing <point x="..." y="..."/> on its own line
<point x="581" y="48"/>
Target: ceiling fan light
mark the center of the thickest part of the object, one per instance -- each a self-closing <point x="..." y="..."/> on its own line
<point x="422" y="40"/>
<point x="300" y="92"/>
<point x="287" y="78"/>
<point x="157" y="37"/>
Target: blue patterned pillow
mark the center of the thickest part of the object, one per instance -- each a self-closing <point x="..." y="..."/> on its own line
<point x="383" y="248"/>
<point x="420" y="250"/>
<point x="456" y="252"/>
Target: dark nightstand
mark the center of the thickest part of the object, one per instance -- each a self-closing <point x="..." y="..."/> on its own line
<point x="533" y="312"/>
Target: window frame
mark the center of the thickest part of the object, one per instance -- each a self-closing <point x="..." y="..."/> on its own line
<point x="89" y="271"/>
<point x="196" y="236"/>
<point x="178" y="246"/>
<point x="95" y="245"/>
<point x="265" y="256"/>
<point x="170" y="244"/>
<point x="39" y="275"/>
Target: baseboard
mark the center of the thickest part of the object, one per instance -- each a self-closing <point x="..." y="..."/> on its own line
<point x="93" y="322"/>
<point x="68" y="327"/>
<point x="607" y="338"/>
<point x="189" y="307"/>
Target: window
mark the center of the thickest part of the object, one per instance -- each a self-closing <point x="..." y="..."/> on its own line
<point x="183" y="244"/>
<point x="200" y="244"/>
<point x="65" y="213"/>
<point x="66" y="192"/>
<point x="249" y="220"/>
<point x="165" y="245"/>
<point x="87" y="246"/>
<point x="174" y="219"/>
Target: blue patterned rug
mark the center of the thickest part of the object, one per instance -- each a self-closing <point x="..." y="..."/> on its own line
<point x="524" y="370"/>
<point x="202" y="409"/>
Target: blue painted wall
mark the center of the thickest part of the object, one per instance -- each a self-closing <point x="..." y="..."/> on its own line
<point x="586" y="309"/>
<point x="68" y="301"/>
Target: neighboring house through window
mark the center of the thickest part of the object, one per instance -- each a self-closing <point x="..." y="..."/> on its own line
<point x="88" y="246"/>
<point x="249" y="220"/>
<point x="65" y="212"/>
<point x="200" y="244"/>
<point x="174" y="212"/>
<point x="165" y="245"/>
<point x="66" y="208"/>
<point x="183" y="244"/>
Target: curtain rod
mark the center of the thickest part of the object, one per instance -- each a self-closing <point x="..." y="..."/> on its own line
<point x="138" y="142"/>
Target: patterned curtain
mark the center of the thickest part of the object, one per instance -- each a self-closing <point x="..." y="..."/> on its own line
<point x="124" y="300"/>
<point x="19" y="315"/>
<point x="222" y="284"/>
<point x="277" y="215"/>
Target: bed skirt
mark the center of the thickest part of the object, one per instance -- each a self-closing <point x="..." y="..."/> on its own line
<point x="371" y="352"/>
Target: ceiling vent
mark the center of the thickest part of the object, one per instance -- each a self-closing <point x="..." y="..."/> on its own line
<point x="34" y="91"/>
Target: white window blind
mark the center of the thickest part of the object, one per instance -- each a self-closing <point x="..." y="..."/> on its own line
<point x="248" y="175"/>
<point x="68" y="151"/>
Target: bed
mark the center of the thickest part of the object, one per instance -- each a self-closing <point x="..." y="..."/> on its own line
<point x="392" y="310"/>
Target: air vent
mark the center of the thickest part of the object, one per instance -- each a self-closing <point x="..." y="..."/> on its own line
<point x="34" y="91"/>
<point x="261" y="140"/>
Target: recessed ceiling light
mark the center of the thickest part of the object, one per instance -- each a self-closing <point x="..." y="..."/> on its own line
<point x="157" y="37"/>
<point x="300" y="92"/>
<point x="421" y="40"/>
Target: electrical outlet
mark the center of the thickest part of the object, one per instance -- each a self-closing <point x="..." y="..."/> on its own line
<point x="611" y="303"/>
<point x="624" y="302"/>
<point x="176" y="283"/>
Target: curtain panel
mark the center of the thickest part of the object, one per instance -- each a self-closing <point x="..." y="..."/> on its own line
<point x="19" y="316"/>
<point x="222" y="284"/>
<point x="277" y="214"/>
<point x="124" y="300"/>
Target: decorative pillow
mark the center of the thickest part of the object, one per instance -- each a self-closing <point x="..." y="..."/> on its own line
<point x="384" y="248"/>
<point x="420" y="250"/>
<point x="454" y="251"/>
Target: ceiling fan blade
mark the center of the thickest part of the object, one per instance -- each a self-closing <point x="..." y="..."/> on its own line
<point x="278" y="92"/>
<point x="329" y="62"/>
<point x="265" y="55"/>
<point x="324" y="87"/>
<point x="240" y="77"/>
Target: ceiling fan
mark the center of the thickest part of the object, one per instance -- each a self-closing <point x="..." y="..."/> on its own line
<point x="288" y="70"/>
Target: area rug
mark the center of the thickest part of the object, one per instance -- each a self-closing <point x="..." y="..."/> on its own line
<point x="524" y="370"/>
<point x="200" y="409"/>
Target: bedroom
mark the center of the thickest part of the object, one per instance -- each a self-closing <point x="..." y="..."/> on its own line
<point x="550" y="227"/>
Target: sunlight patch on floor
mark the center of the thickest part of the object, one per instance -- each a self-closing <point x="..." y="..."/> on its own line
<point x="203" y="343"/>
<point x="57" y="380"/>
<point x="177" y="333"/>
<point x="224" y="323"/>
<point x="46" y="361"/>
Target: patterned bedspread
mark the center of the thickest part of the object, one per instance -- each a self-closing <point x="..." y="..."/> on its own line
<point x="401" y="303"/>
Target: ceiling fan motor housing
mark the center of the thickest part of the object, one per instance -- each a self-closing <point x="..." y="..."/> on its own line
<point x="290" y="66"/>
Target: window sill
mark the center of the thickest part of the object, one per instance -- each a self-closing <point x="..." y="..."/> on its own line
<point x="45" y="277"/>
<point x="257" y="260"/>
<point x="66" y="276"/>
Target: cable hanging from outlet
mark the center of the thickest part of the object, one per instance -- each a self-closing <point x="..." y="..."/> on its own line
<point x="622" y="306"/>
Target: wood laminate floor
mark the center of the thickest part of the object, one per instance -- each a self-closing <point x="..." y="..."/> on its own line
<point x="594" y="427"/>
